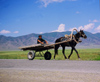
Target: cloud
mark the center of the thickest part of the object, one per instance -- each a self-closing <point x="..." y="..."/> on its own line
<point x="4" y="32"/>
<point x="16" y="32"/>
<point x="72" y="28"/>
<point x="85" y="27"/>
<point x="61" y="28"/>
<point x="88" y="26"/>
<point x="80" y="28"/>
<point x="77" y="12"/>
<point x="94" y="21"/>
<point x="47" y="2"/>
<point x="41" y="33"/>
<point x="97" y="29"/>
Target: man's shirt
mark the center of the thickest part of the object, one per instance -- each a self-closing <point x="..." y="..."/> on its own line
<point x="42" y="40"/>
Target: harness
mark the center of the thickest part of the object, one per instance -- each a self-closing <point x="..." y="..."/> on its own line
<point x="72" y="37"/>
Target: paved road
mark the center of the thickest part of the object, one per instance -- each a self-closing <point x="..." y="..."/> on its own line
<point x="60" y="65"/>
<point x="59" y="68"/>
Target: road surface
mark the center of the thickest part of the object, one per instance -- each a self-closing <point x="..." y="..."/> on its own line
<point x="21" y="70"/>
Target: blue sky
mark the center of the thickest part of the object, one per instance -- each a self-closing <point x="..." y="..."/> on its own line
<point x="21" y="17"/>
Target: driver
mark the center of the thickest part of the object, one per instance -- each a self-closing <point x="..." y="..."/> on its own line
<point x="41" y="41"/>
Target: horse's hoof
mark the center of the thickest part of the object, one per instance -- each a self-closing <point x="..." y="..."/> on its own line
<point x="79" y="58"/>
<point x="68" y="57"/>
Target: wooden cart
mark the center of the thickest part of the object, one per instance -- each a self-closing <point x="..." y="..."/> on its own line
<point x="40" y="48"/>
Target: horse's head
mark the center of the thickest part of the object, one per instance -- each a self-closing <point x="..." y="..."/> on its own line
<point x="82" y="34"/>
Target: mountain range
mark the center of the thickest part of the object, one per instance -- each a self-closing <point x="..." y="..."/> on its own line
<point x="12" y="43"/>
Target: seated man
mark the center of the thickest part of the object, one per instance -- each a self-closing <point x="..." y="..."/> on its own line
<point x="41" y="41"/>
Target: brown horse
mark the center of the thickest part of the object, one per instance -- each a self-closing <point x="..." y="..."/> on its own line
<point x="71" y="44"/>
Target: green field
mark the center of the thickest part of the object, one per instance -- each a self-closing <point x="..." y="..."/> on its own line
<point x="85" y="54"/>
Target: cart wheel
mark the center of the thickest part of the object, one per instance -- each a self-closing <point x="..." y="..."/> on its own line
<point x="47" y="56"/>
<point x="31" y="55"/>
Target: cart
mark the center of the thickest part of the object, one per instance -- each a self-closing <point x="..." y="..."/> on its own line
<point x="40" y="48"/>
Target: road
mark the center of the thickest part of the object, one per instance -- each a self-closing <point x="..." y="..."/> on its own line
<point x="14" y="70"/>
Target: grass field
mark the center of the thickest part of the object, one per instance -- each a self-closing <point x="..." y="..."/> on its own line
<point x="85" y="54"/>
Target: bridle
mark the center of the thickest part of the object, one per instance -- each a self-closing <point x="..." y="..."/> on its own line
<point x="83" y="35"/>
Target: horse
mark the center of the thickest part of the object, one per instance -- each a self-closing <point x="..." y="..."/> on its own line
<point x="71" y="44"/>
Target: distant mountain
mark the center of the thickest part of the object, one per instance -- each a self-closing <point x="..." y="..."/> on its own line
<point x="12" y="43"/>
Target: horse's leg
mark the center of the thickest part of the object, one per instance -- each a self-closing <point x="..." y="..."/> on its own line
<point x="77" y="53"/>
<point x="70" y="53"/>
<point x="56" y="50"/>
<point x="63" y="51"/>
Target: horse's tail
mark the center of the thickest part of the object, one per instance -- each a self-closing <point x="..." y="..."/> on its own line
<point x="57" y="46"/>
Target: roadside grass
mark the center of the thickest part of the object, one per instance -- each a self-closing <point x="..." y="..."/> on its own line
<point x="85" y="54"/>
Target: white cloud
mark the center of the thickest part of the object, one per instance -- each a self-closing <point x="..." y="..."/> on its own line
<point x="46" y="2"/>
<point x="94" y="21"/>
<point x="72" y="28"/>
<point x="41" y="33"/>
<point x="89" y="20"/>
<point x="77" y="12"/>
<point x="61" y="28"/>
<point x="97" y="29"/>
<point x="80" y="28"/>
<point x="4" y="32"/>
<point x="88" y="26"/>
<point x="16" y="32"/>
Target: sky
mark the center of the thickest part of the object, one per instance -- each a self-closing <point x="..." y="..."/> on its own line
<point x="21" y="17"/>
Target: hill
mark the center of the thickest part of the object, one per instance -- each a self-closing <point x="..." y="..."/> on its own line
<point x="12" y="43"/>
